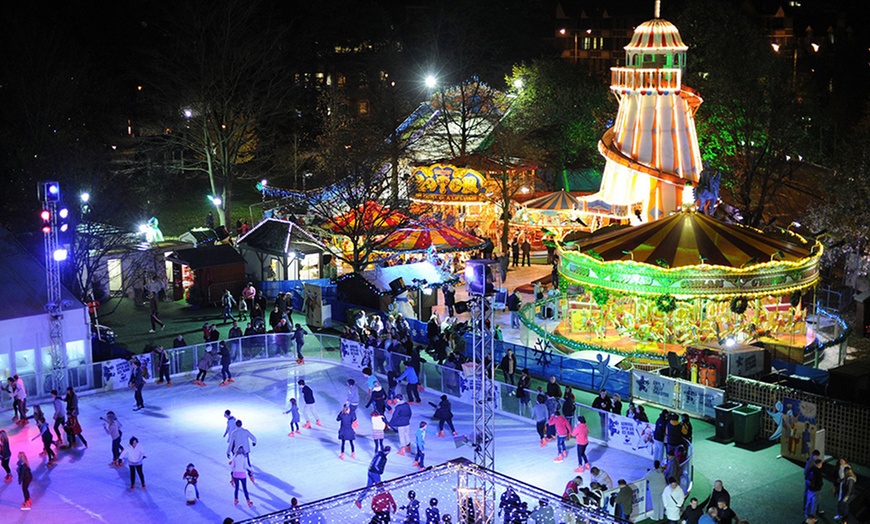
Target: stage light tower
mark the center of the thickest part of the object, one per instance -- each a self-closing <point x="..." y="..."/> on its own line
<point x="54" y="221"/>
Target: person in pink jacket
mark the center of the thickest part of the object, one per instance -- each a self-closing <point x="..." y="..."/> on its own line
<point x="563" y="428"/>
<point x="581" y="433"/>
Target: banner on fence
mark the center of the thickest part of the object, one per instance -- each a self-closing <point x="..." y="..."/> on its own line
<point x="629" y="435"/>
<point x="117" y="372"/>
<point x="799" y="428"/>
<point x="638" y="500"/>
<point x="355" y="354"/>
<point x="466" y="391"/>
<point x="654" y="388"/>
<point x="700" y="400"/>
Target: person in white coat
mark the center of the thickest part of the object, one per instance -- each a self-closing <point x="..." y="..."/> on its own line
<point x="673" y="499"/>
<point x="240" y="469"/>
<point x="134" y="454"/>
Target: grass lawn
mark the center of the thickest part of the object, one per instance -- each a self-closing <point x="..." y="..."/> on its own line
<point x="188" y="205"/>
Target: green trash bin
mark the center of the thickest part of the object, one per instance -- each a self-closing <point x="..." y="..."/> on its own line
<point x="747" y="423"/>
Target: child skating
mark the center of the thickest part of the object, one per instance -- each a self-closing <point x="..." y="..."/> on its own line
<point x="294" y="418"/>
<point x="421" y="447"/>
<point x="191" y="476"/>
<point x="378" y="426"/>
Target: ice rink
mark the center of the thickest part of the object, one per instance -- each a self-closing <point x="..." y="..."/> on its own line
<point x="184" y="423"/>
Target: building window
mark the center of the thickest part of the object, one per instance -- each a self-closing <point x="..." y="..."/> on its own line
<point x="363" y="107"/>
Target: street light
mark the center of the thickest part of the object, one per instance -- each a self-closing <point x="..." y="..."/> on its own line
<point x="188" y="113"/>
<point x="518" y="83"/>
<point x="85" y="197"/>
<point x="431" y="81"/>
<point x="215" y="200"/>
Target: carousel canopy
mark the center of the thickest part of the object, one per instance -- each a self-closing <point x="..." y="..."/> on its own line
<point x="371" y="216"/>
<point x="558" y="201"/>
<point x="422" y="234"/>
<point x="279" y="237"/>
<point x="690" y="254"/>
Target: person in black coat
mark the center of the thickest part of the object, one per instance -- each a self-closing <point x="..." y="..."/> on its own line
<point x="449" y="299"/>
<point x="515" y="252"/>
<point x="444" y="414"/>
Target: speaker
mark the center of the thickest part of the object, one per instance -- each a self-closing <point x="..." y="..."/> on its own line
<point x="397" y="286"/>
<point x="478" y="277"/>
<point x="461" y="307"/>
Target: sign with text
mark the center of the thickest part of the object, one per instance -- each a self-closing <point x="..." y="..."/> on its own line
<point x="630" y="435"/>
<point x="700" y="400"/>
<point x="355" y="354"/>
<point x="654" y="388"/>
<point x="117" y="372"/>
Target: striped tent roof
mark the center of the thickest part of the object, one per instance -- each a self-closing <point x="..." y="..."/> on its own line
<point x="656" y="35"/>
<point x="683" y="239"/>
<point x="558" y="201"/>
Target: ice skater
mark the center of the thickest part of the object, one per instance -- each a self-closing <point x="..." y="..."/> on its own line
<point x="24" y="478"/>
<point x="134" y="455"/>
<point x="5" y="455"/>
<point x="412" y="389"/>
<point x="240" y="474"/>
<point x="226" y="358"/>
<point x="444" y="414"/>
<point x="581" y="433"/>
<point x="299" y="338"/>
<point x="401" y="424"/>
<point x="205" y="363"/>
<point x="45" y="435"/>
<point x="244" y="440"/>
<point x="231" y="425"/>
<point x="191" y="476"/>
<point x="58" y="416"/>
<point x="74" y="430"/>
<point x="346" y="433"/>
<point x="376" y="469"/>
<point x="137" y="381"/>
<point x="379" y="398"/>
<point x="353" y="399"/>
<point x="308" y="410"/>
<point x="294" y="418"/>
<point x="112" y="426"/>
<point x="421" y="450"/>
<point x="378" y="425"/>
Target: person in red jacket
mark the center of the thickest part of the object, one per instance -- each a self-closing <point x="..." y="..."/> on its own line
<point x="383" y="505"/>
<point x="563" y="428"/>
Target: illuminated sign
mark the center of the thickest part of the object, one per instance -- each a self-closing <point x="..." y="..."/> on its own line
<point x="446" y="182"/>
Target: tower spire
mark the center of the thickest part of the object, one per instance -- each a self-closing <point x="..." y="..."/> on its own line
<point x="658" y="9"/>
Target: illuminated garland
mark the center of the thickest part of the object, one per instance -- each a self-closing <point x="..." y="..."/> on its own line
<point x="666" y="303"/>
<point x="738" y="305"/>
<point x="600" y="295"/>
<point x="704" y="280"/>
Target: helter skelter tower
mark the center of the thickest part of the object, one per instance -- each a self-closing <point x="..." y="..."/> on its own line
<point x="652" y="149"/>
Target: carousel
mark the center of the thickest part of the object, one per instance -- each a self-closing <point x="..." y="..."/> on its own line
<point x="644" y="291"/>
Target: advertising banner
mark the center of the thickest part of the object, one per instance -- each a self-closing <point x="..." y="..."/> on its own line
<point x="799" y="427"/>
<point x="652" y="387"/>
<point x="355" y="354"/>
<point x="630" y="435"/>
<point x="700" y="400"/>
<point x="117" y="372"/>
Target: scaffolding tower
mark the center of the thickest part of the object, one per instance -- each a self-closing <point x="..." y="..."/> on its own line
<point x="54" y="221"/>
<point x="483" y="510"/>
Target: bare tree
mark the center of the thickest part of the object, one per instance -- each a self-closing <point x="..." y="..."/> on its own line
<point x="225" y="85"/>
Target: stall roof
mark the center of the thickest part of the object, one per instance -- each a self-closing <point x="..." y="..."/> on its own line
<point x="206" y="256"/>
<point x="279" y="237"/>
